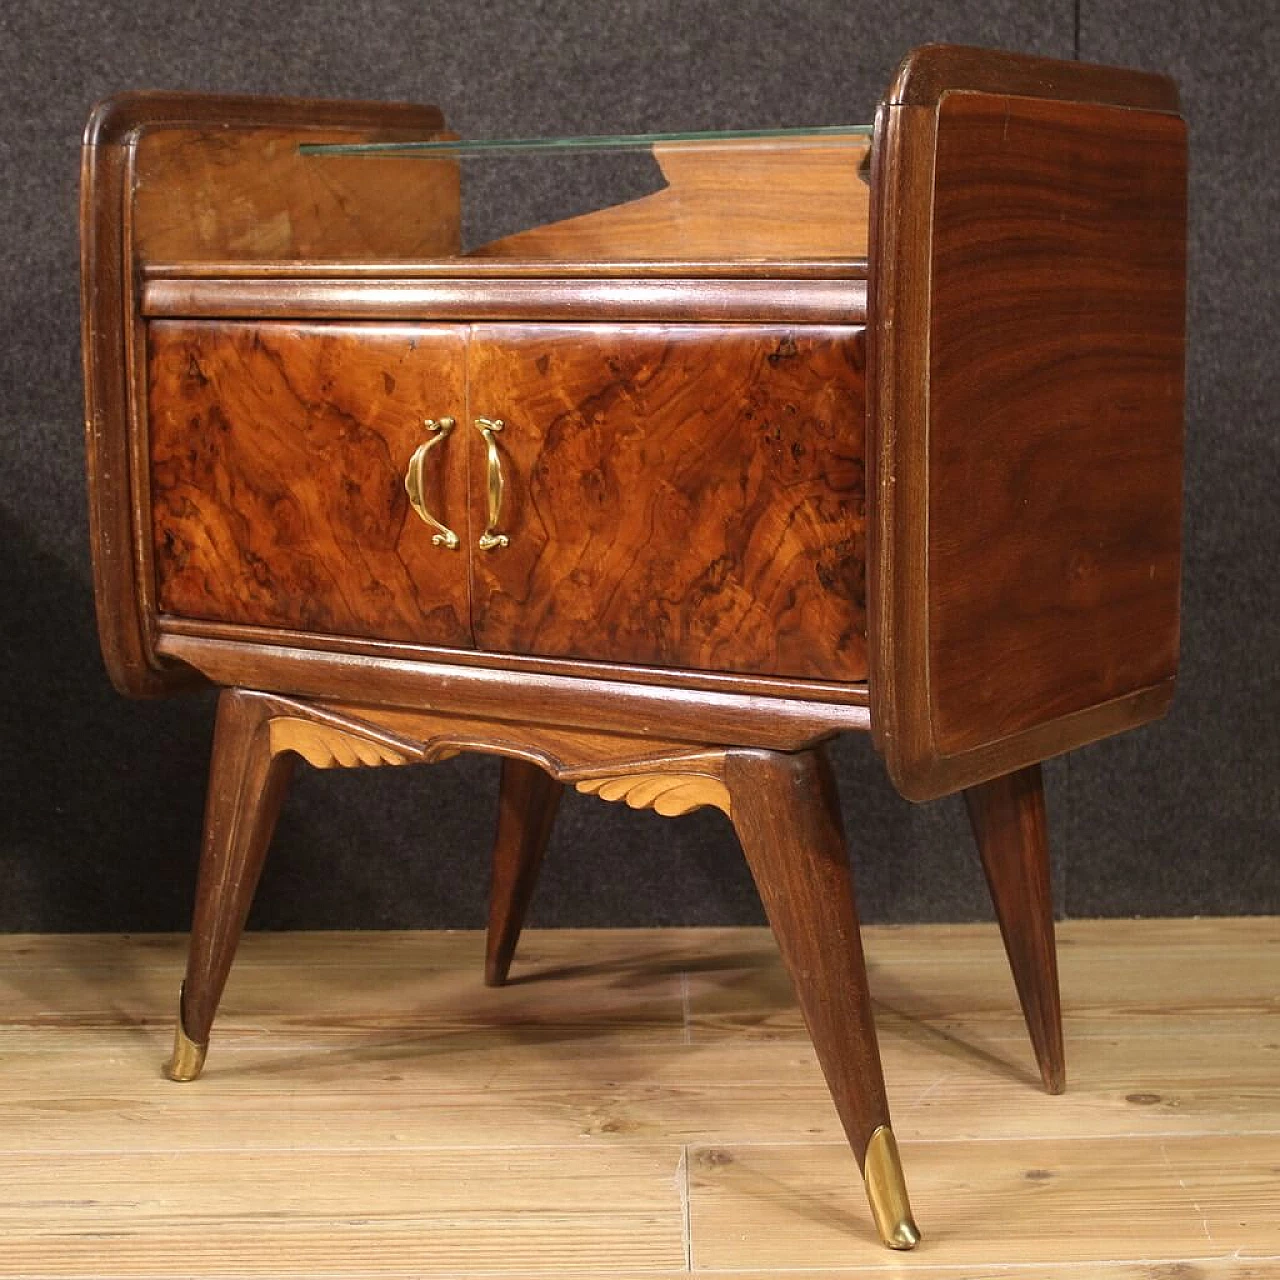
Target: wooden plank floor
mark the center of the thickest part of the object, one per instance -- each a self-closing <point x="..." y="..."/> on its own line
<point x="636" y="1103"/>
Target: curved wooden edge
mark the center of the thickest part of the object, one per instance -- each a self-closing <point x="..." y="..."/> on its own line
<point x="112" y="120"/>
<point x="109" y="314"/>
<point x="896" y="372"/>
<point x="932" y="70"/>
<point x="106" y="312"/>
<point x="929" y="752"/>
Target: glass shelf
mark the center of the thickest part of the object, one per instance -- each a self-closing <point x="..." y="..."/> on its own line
<point x="838" y="135"/>
<point x="721" y="198"/>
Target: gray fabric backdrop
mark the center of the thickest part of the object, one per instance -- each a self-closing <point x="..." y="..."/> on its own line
<point x="100" y="817"/>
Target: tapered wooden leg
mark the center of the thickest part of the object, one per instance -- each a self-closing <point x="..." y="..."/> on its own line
<point x="1009" y="825"/>
<point x="527" y="802"/>
<point x="787" y="816"/>
<point x="247" y="784"/>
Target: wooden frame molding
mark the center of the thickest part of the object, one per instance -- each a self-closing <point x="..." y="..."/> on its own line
<point x="784" y="724"/>
<point x="393" y="297"/>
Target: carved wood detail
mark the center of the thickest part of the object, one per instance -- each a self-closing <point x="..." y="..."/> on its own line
<point x="668" y="777"/>
<point x="325" y="746"/>
<point x="670" y="794"/>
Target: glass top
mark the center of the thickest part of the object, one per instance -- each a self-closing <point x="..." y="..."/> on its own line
<point x="724" y="199"/>
<point x="838" y="135"/>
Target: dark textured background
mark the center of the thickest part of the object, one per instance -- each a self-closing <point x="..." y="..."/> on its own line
<point x="100" y="814"/>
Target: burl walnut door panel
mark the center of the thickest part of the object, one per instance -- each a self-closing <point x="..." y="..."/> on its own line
<point x="684" y="496"/>
<point x="278" y="456"/>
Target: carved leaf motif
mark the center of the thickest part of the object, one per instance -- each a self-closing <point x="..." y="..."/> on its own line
<point x="327" y="747"/>
<point x="670" y="794"/>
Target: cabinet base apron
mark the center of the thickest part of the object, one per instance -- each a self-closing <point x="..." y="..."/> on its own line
<point x="782" y="805"/>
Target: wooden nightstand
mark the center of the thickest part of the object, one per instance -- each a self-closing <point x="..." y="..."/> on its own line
<point x="845" y="429"/>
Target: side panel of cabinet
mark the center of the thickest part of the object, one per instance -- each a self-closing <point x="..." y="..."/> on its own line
<point x="687" y="496"/>
<point x="278" y="456"/>
<point x="1028" y="285"/>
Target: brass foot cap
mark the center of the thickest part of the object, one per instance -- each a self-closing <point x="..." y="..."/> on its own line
<point x="188" y="1058"/>
<point x="906" y="1235"/>
<point x="887" y="1191"/>
<point x="187" y="1061"/>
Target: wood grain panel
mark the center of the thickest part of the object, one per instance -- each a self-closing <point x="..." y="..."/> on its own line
<point x="684" y="496"/>
<point x="745" y="200"/>
<point x="278" y="462"/>
<point x="1026" y="380"/>
<point x="1055" y="479"/>
<point x="211" y="194"/>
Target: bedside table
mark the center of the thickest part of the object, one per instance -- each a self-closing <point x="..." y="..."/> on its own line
<point x="756" y="439"/>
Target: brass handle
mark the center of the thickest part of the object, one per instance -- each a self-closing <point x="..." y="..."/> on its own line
<point x="491" y="538"/>
<point x="413" y="481"/>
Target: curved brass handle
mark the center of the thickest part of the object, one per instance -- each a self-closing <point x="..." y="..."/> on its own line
<point x="491" y="538"/>
<point x="413" y="481"/>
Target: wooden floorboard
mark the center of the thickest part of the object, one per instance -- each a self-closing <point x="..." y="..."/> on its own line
<point x="637" y="1103"/>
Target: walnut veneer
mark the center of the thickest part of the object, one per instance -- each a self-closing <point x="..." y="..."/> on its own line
<point x="676" y="495"/>
<point x="785" y="448"/>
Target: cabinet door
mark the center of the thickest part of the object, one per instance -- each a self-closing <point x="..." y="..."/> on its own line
<point x="683" y="496"/>
<point x="278" y="459"/>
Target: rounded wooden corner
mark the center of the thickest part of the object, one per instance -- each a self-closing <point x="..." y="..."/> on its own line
<point x="133" y="667"/>
<point x="137" y="680"/>
<point x="931" y="71"/>
<point x="110" y="118"/>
